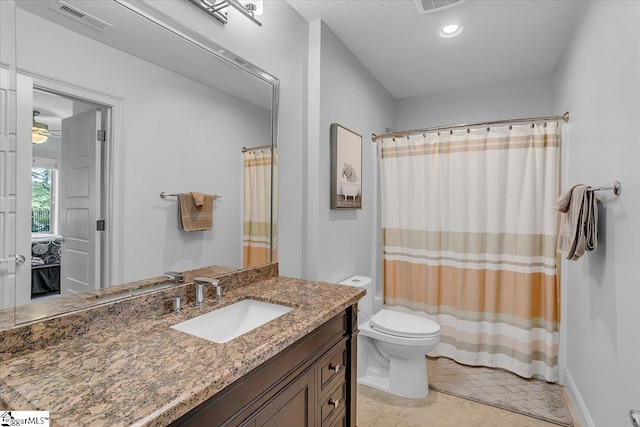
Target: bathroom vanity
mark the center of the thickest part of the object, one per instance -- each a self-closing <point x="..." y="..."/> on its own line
<point x="132" y="368"/>
<point x="311" y="382"/>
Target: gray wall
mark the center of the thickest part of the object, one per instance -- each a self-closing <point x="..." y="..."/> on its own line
<point x="511" y="99"/>
<point x="598" y="82"/>
<point x="341" y="90"/>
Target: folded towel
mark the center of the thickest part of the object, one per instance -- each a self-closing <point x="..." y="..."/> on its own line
<point x="198" y="199"/>
<point x="579" y="226"/>
<point x="591" y="222"/>
<point x="562" y="204"/>
<point x="192" y="217"/>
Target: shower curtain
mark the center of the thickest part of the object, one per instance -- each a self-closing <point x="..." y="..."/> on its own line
<point x="469" y="234"/>
<point x="258" y="174"/>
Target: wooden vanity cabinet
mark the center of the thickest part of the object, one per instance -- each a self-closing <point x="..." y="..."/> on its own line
<point x="310" y="383"/>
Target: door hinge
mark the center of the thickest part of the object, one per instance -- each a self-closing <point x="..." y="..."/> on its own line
<point x="100" y="225"/>
<point x="102" y="135"/>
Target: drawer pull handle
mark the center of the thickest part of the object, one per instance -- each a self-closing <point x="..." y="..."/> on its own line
<point x="334" y="403"/>
<point x="334" y="368"/>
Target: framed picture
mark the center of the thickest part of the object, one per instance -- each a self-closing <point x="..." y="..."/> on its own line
<point x="346" y="168"/>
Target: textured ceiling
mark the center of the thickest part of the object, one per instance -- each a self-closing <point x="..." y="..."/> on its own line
<point x="502" y="40"/>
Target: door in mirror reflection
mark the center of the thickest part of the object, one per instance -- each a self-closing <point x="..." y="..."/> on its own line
<point x="80" y="202"/>
<point x="66" y="181"/>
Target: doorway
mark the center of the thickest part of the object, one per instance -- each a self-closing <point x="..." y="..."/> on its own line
<point x="67" y="183"/>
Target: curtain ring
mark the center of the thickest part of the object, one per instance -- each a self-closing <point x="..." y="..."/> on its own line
<point x="438" y="133"/>
<point x="545" y="124"/>
<point x="393" y="139"/>
<point x="510" y="127"/>
<point x="424" y="135"/>
<point x="408" y="137"/>
<point x="468" y="130"/>
<point x="533" y="125"/>
<point x="451" y="132"/>
<point x="488" y="129"/>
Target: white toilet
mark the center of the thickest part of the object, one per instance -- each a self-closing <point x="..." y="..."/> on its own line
<point x="392" y="346"/>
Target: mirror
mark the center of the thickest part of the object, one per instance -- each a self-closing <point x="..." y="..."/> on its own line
<point x="177" y="110"/>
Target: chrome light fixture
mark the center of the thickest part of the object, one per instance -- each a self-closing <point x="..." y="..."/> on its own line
<point x="39" y="131"/>
<point x="254" y="7"/>
<point x="219" y="8"/>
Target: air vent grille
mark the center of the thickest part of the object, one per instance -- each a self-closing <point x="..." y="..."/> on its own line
<point x="81" y="16"/>
<point x="430" y="6"/>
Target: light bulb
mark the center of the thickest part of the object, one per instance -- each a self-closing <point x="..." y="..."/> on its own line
<point x="450" y="30"/>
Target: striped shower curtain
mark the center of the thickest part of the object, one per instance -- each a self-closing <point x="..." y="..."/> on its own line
<point x="258" y="240"/>
<point x="469" y="235"/>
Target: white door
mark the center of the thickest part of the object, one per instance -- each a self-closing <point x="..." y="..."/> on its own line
<point x="24" y="158"/>
<point x="80" y="203"/>
<point x="7" y="194"/>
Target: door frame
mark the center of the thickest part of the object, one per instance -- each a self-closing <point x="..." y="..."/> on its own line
<point x="111" y="263"/>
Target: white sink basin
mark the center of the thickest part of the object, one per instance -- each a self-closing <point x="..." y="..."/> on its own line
<point x="229" y="322"/>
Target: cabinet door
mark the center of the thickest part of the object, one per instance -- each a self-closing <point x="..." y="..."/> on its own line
<point x="291" y="407"/>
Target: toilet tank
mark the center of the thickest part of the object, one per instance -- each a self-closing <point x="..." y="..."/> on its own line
<point x="365" y="305"/>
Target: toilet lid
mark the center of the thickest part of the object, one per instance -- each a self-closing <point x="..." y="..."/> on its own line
<point x="403" y="324"/>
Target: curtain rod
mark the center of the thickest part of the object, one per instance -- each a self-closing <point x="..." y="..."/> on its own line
<point x="245" y="149"/>
<point x="399" y="134"/>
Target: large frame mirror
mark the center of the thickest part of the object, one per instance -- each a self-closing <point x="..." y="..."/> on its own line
<point x="131" y="104"/>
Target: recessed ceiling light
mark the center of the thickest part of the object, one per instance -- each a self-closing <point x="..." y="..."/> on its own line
<point x="451" y="30"/>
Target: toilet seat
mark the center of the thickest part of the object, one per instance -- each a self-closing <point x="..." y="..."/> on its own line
<point x="404" y="325"/>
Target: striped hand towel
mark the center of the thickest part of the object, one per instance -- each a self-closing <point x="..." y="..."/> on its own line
<point x="194" y="218"/>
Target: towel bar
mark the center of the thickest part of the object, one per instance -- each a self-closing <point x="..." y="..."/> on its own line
<point x="164" y="195"/>
<point x="617" y="188"/>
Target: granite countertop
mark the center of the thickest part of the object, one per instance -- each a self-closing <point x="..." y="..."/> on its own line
<point x="145" y="373"/>
<point x="37" y="310"/>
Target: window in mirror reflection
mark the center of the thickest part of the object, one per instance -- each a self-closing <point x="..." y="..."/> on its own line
<point x="43" y="196"/>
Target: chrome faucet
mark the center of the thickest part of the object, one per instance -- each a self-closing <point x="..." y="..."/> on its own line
<point x="176" y="276"/>
<point x="198" y="289"/>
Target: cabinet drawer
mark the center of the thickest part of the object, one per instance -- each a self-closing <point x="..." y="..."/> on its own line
<point x="332" y="366"/>
<point x="339" y="421"/>
<point x="333" y="403"/>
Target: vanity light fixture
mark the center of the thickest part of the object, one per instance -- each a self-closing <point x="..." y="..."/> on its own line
<point x="255" y="7"/>
<point x="38" y="130"/>
<point x="219" y="8"/>
<point x="451" y="30"/>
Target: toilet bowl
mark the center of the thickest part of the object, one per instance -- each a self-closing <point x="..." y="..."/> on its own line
<point x="392" y="346"/>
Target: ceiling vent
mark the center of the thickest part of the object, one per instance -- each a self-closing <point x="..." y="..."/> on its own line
<point x="430" y="6"/>
<point x="81" y="16"/>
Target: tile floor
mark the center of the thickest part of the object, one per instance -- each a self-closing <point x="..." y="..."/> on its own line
<point x="378" y="409"/>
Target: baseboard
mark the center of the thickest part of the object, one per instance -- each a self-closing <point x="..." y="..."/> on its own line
<point x="576" y="400"/>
